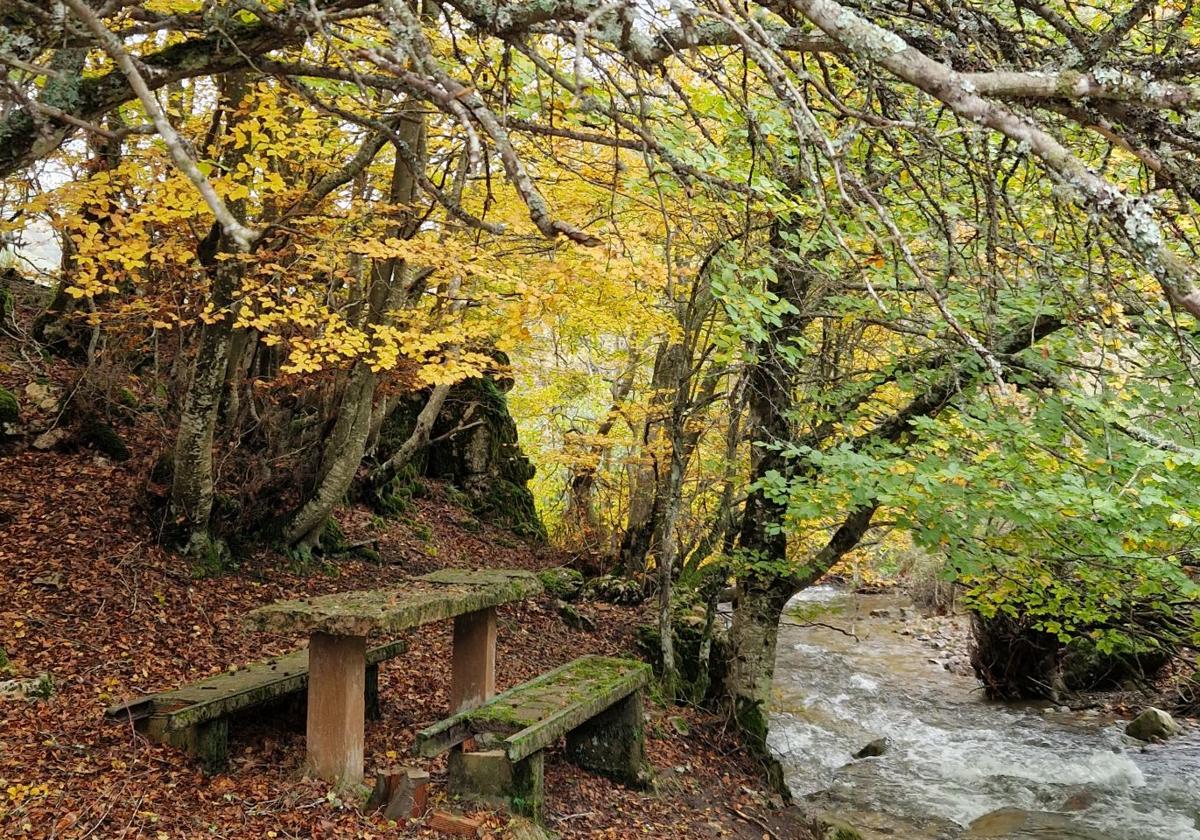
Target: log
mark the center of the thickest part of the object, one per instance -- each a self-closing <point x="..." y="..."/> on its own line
<point x="401" y="792"/>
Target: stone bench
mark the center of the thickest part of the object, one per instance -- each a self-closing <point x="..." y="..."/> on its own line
<point x="595" y="701"/>
<point x="196" y="717"/>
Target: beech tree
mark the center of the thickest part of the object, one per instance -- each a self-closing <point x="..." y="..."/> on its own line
<point x="923" y="215"/>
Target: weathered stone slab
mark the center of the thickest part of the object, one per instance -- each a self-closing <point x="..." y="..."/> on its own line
<point x="533" y="715"/>
<point x="232" y="691"/>
<point x="419" y="600"/>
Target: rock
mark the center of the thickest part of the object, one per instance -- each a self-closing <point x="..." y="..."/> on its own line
<point x="101" y="435"/>
<point x="51" y="439"/>
<point x="1151" y="724"/>
<point x="53" y="580"/>
<point x="1081" y="800"/>
<point x="876" y="748"/>
<point x="573" y="618"/>
<point x="561" y="582"/>
<point x="40" y="687"/>
<point x="830" y="827"/>
<point x="615" y="590"/>
<point x="475" y="448"/>
<point x="10" y="409"/>
<point x="42" y="396"/>
<point x="1016" y="824"/>
<point x="520" y="828"/>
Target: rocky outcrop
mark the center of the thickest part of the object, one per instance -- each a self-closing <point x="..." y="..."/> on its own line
<point x="474" y="447"/>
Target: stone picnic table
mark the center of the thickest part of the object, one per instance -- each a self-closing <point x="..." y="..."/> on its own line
<point x="338" y="626"/>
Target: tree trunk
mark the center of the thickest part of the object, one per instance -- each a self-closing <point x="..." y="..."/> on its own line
<point x="391" y="284"/>
<point x="761" y="594"/>
<point x="339" y="460"/>
<point x="581" y="510"/>
<point x="646" y="499"/>
<point x="667" y="556"/>
<point x="417" y="440"/>
<point x="192" y="480"/>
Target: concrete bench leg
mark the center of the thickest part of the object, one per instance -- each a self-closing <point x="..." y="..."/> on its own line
<point x="473" y="666"/>
<point x="337" y="668"/>
<point x="612" y="743"/>
<point x="207" y="741"/>
<point x="490" y="778"/>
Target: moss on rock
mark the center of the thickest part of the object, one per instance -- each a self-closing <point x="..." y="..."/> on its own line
<point x="476" y="450"/>
<point x="102" y="436"/>
<point x="10" y="409"/>
<point x="561" y="582"/>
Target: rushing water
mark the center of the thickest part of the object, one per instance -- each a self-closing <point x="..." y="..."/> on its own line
<point x="958" y="766"/>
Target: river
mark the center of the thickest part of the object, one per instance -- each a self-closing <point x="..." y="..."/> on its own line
<point x="957" y="766"/>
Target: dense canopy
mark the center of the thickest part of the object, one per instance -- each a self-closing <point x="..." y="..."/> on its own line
<point x="763" y="284"/>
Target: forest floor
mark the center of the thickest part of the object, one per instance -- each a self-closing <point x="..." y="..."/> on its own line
<point x="88" y="597"/>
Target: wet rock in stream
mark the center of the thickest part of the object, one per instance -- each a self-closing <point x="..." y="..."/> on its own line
<point x="1153" y="725"/>
<point x="1016" y="824"/>
<point x="876" y="748"/>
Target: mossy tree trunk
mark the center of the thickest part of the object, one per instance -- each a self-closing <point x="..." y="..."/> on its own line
<point x="191" y="498"/>
<point x="192" y="477"/>
<point x="762" y="541"/>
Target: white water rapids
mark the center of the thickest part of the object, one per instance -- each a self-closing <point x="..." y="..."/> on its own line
<point x="957" y="765"/>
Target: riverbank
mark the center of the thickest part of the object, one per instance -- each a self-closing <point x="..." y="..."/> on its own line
<point x="90" y="600"/>
<point x="856" y="668"/>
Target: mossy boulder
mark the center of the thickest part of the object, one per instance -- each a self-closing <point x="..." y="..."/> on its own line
<point x="10" y="409"/>
<point x="835" y="829"/>
<point x="561" y="582"/>
<point x="100" y="435"/>
<point x="1153" y="725"/>
<point x="475" y="450"/>
<point x="701" y="681"/>
<point x="614" y="589"/>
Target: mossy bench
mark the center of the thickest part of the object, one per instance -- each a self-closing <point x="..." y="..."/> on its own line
<point x="196" y="717"/>
<point x="595" y="701"/>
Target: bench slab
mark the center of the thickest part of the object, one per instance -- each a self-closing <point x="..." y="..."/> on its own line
<point x="419" y="600"/>
<point x="532" y="716"/>
<point x="231" y="691"/>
